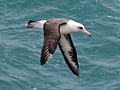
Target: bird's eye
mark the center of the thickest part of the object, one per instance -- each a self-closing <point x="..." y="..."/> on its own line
<point x="81" y="27"/>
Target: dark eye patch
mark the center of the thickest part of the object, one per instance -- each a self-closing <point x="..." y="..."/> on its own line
<point x="81" y="27"/>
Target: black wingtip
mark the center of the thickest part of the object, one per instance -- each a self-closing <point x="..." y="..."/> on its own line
<point x="31" y="21"/>
<point x="42" y="63"/>
<point x="77" y="74"/>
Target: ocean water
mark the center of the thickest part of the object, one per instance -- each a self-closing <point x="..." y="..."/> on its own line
<point x="20" y="48"/>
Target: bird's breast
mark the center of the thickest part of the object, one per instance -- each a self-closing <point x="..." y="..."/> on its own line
<point x="66" y="29"/>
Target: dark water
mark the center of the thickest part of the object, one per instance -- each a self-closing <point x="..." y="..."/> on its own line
<point x="99" y="55"/>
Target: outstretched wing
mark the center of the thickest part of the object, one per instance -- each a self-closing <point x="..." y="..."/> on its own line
<point x="69" y="52"/>
<point x="51" y="39"/>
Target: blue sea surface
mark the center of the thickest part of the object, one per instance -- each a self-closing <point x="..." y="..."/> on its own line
<point x="20" y="48"/>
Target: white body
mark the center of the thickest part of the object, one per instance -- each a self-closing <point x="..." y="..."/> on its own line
<point x="70" y="27"/>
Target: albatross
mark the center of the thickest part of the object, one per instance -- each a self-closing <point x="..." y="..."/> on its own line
<point x="57" y="32"/>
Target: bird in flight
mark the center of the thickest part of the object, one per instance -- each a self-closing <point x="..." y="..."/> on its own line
<point x="57" y="32"/>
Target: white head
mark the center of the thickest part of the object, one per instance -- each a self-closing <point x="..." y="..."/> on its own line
<point x="77" y="27"/>
<point x="35" y="24"/>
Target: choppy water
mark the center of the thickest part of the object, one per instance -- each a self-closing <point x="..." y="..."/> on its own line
<point x="99" y="56"/>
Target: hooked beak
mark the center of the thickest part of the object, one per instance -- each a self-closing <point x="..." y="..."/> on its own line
<point x="86" y="32"/>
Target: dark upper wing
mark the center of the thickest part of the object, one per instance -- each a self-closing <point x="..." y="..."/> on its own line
<point x="69" y="52"/>
<point x="51" y="39"/>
